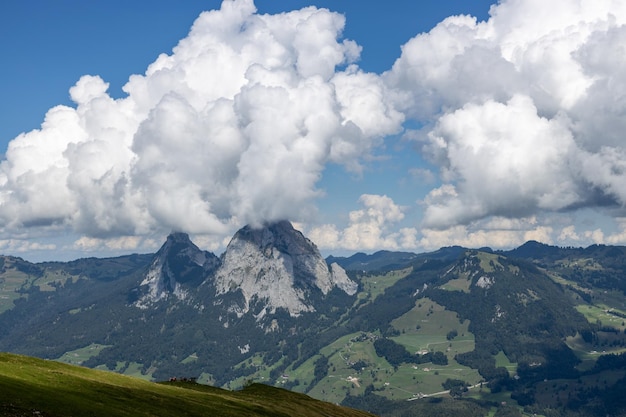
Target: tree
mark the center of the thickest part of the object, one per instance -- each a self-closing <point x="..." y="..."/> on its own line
<point x="392" y="351"/>
<point x="456" y="386"/>
<point x="321" y="368"/>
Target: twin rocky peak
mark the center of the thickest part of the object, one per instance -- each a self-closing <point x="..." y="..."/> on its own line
<point x="276" y="266"/>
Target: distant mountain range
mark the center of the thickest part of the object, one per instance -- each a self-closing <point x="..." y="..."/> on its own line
<point x="537" y="328"/>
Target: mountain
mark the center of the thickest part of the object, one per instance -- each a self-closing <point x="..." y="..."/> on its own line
<point x="513" y="307"/>
<point x="533" y="250"/>
<point x="378" y="261"/>
<point x="279" y="268"/>
<point x="181" y="309"/>
<point x="538" y="327"/>
<point x="388" y="261"/>
<point x="177" y="265"/>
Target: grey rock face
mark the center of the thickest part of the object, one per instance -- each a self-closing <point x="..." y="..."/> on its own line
<point x="176" y="268"/>
<point x="278" y="266"/>
<point x="271" y="267"/>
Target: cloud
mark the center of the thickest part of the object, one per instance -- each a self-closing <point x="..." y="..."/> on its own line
<point x="18" y="245"/>
<point x="618" y="237"/>
<point x="499" y="159"/>
<point x="568" y="233"/>
<point x="375" y="227"/>
<point x="523" y="113"/>
<point x="370" y="228"/>
<point x="497" y="232"/>
<point x="519" y="117"/>
<point x="122" y="243"/>
<point x="234" y="126"/>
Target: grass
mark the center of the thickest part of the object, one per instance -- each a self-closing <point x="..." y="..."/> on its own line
<point x="29" y="385"/>
<point x="426" y="379"/>
<point x="78" y="356"/>
<point x="399" y="383"/>
<point x="406" y="380"/>
<point x="488" y="261"/>
<point x="462" y="284"/>
<point x="375" y="285"/>
<point x="262" y="374"/>
<point x="589" y="264"/>
<point x="503" y="361"/>
<point x="191" y="358"/>
<point x="53" y="277"/>
<point x="14" y="283"/>
<point x="435" y="322"/>
<point x="601" y="313"/>
<point x="11" y="282"/>
<point x="588" y="353"/>
<point x="560" y="280"/>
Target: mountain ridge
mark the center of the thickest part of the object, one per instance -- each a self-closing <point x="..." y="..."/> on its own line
<point x="289" y="318"/>
<point x="179" y="261"/>
<point x="259" y="262"/>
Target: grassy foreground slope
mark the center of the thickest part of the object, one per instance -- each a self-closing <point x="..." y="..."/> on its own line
<point x="54" y="389"/>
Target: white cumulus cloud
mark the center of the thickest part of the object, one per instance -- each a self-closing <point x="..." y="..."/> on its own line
<point x="523" y="113"/>
<point x="519" y="117"/>
<point x="234" y="126"/>
<point x="372" y="227"/>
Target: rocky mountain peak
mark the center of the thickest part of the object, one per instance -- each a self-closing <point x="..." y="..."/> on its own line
<point x="178" y="237"/>
<point x="279" y="267"/>
<point x="280" y="235"/>
<point x="178" y="265"/>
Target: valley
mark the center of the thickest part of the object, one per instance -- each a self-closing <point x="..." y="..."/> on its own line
<point x="476" y="332"/>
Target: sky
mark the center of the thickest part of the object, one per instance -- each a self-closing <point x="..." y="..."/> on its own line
<point x="400" y="125"/>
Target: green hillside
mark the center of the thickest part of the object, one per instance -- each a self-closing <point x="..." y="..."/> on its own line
<point x="30" y="386"/>
<point x="538" y="330"/>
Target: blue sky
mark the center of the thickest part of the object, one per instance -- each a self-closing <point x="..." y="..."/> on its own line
<point x="403" y="127"/>
<point x="49" y="45"/>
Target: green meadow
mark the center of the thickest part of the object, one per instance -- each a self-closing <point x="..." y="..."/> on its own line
<point x="30" y="386"/>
